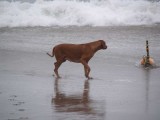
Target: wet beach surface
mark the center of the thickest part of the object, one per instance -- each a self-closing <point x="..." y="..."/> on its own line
<point x="120" y="90"/>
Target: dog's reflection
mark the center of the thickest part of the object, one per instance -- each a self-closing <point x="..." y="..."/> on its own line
<point x="72" y="103"/>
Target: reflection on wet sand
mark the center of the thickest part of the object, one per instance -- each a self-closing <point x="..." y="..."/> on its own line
<point x="72" y="103"/>
<point x="147" y="75"/>
<point x="82" y="104"/>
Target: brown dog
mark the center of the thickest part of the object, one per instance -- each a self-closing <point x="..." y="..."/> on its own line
<point x="79" y="53"/>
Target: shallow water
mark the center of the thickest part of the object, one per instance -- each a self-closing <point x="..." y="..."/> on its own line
<point x="120" y="90"/>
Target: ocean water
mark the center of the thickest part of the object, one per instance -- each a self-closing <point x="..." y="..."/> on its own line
<point x="23" y="13"/>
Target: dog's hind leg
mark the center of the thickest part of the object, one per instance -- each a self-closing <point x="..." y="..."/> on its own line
<point x="57" y="65"/>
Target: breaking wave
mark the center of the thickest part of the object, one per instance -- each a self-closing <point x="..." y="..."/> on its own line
<point x="79" y="13"/>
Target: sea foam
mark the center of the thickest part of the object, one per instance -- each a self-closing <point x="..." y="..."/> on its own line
<point x="79" y="13"/>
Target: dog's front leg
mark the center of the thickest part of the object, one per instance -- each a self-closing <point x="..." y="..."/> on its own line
<point x="86" y="69"/>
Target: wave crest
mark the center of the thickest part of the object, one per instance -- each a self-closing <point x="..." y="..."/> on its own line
<point x="64" y="13"/>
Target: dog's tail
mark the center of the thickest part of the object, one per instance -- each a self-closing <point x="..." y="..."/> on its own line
<point x="50" y="54"/>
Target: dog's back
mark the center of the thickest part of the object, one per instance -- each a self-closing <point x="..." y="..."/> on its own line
<point x="72" y="52"/>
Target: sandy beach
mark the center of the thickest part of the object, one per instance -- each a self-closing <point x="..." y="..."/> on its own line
<point x="120" y="90"/>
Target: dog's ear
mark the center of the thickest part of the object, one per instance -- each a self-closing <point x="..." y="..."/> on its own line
<point x="103" y="44"/>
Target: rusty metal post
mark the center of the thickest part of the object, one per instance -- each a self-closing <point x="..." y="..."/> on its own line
<point x="147" y="58"/>
<point x="147" y="61"/>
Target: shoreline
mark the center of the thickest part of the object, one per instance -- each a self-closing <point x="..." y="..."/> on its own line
<point x="85" y="26"/>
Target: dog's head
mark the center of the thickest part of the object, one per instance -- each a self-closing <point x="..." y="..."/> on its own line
<point x="103" y="44"/>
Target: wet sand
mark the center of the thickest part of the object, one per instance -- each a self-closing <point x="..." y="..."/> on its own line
<point x="120" y="90"/>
